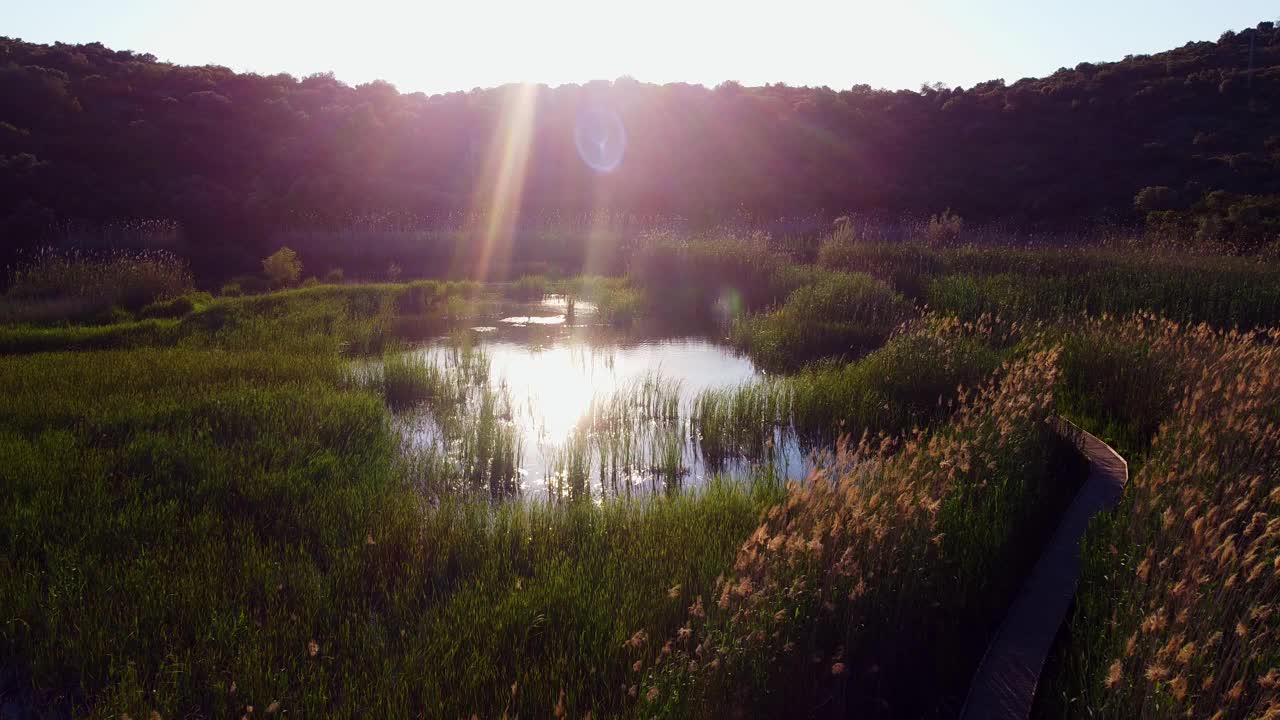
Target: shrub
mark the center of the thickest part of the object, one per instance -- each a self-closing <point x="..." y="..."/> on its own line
<point x="944" y="229"/>
<point x="282" y="267"/>
<point x="311" y="282"/>
<point x="251" y="284"/>
<point x="176" y="308"/>
<point x="1155" y="198"/>
<point x="231" y="289"/>
<point x="334" y="276"/>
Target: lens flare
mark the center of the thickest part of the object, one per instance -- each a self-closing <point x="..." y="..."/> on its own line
<point x="601" y="139"/>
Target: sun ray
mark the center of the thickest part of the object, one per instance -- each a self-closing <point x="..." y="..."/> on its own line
<point x="499" y="194"/>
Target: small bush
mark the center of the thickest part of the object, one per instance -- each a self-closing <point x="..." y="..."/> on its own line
<point x="282" y="267"/>
<point x="312" y="281"/>
<point x="252" y="284"/>
<point x="231" y="289"/>
<point x="177" y="307"/>
<point x="944" y="229"/>
<point x="335" y="276"/>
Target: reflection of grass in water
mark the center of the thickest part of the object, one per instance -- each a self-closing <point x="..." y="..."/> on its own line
<point x="909" y="382"/>
<point x="619" y="435"/>
<point x="479" y="447"/>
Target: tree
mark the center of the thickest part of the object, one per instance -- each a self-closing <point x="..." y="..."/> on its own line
<point x="1155" y="198"/>
<point x="282" y="267"/>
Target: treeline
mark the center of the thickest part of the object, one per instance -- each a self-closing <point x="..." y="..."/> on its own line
<point x="97" y="138"/>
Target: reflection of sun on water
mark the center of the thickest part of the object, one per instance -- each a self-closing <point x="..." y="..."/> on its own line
<point x="554" y="387"/>
<point x="551" y="389"/>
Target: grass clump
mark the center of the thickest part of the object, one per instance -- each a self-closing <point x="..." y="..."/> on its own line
<point x="617" y="301"/>
<point x="529" y="287"/>
<point x="840" y="315"/>
<point x="177" y="307"/>
<point x="912" y="381"/>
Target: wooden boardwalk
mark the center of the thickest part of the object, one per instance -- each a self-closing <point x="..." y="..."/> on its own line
<point x="1005" y="683"/>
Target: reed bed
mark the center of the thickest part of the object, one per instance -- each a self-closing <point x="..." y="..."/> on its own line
<point x="870" y="589"/>
<point x="1176" y="613"/>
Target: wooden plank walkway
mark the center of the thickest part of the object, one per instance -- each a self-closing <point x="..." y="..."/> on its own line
<point x="1005" y="683"/>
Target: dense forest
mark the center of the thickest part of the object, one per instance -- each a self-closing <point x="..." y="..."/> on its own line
<point x="97" y="138"/>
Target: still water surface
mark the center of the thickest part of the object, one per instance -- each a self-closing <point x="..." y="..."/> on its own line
<point x="553" y="366"/>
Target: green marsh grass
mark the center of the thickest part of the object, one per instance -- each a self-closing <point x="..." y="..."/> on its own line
<point x="221" y="509"/>
<point x="357" y="319"/>
<point x="912" y="381"/>
<point x="1049" y="282"/>
<point x="245" y="513"/>
<point x="839" y="315"/>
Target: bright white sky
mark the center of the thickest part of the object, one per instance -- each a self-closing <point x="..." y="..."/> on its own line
<point x="461" y="44"/>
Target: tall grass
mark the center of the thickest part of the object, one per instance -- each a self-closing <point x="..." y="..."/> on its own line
<point x="215" y="510"/>
<point x="1176" y="613"/>
<point x="871" y="589"/>
<point x="715" y="277"/>
<point x="1052" y="282"/>
<point x="56" y="286"/>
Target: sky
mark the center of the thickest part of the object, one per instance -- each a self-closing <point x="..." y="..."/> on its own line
<point x="462" y="44"/>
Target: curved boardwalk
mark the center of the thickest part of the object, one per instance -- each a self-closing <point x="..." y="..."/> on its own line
<point x="1005" y="682"/>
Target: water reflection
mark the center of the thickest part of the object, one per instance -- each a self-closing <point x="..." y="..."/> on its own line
<point x="597" y="413"/>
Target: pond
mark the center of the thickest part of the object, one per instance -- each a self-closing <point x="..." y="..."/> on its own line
<point x="590" y="409"/>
